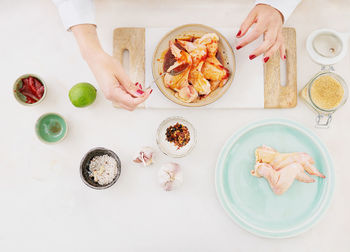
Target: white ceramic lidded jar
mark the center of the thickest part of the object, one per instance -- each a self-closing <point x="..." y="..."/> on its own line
<point x="327" y="91"/>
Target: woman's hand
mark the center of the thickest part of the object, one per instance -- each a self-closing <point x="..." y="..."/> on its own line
<point x="115" y="83"/>
<point x="268" y="21"/>
<point x="109" y="73"/>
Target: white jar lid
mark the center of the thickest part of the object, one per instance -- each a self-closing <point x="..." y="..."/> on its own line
<point x="327" y="47"/>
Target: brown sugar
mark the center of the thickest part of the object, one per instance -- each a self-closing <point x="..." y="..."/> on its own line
<point x="326" y="92"/>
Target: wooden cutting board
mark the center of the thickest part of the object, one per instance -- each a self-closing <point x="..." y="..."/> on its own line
<point x="275" y="94"/>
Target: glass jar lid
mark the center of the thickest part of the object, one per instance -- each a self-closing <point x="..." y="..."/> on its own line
<point x="327" y="47"/>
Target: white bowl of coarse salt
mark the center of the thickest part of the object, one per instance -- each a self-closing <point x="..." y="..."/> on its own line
<point x="100" y="168"/>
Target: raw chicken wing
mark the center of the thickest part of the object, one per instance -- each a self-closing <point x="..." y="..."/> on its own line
<point x="281" y="169"/>
<point x="199" y="82"/>
<point x="281" y="180"/>
<point x="214" y="71"/>
<point x="266" y="154"/>
<point x="179" y="83"/>
<point x="197" y="51"/>
<point x="210" y="40"/>
<point x="187" y="94"/>
<point x="203" y="71"/>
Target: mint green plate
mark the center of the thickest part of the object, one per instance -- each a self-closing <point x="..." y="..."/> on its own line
<point x="51" y="128"/>
<point x="249" y="201"/>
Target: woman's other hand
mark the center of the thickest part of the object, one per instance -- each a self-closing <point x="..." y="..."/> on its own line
<point x="109" y="73"/>
<point x="267" y="21"/>
<point x="115" y="83"/>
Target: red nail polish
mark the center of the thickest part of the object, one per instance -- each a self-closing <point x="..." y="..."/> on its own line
<point x="140" y="92"/>
<point x="266" y="59"/>
<point x="238" y="47"/>
<point x="136" y="83"/>
<point x="151" y="91"/>
<point x="252" y="57"/>
<point x="285" y="57"/>
<point x="140" y="86"/>
<point x="238" y="33"/>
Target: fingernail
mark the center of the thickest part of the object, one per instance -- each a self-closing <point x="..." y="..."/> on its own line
<point x="136" y="83"/>
<point x="252" y="57"/>
<point x="140" y="92"/>
<point x="150" y="92"/>
<point x="285" y="57"/>
<point x="266" y="59"/>
<point x="238" y="33"/>
<point x="238" y="47"/>
<point x="140" y="86"/>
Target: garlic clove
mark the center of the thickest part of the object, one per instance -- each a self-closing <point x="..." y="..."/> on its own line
<point x="170" y="176"/>
<point x="145" y="156"/>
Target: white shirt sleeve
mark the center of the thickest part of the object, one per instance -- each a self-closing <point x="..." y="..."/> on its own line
<point x="286" y="7"/>
<point x="74" y="12"/>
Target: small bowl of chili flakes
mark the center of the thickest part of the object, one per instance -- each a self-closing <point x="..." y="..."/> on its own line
<point x="29" y="89"/>
<point x="176" y="137"/>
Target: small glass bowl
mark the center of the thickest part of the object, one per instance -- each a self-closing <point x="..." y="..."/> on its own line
<point x="169" y="148"/>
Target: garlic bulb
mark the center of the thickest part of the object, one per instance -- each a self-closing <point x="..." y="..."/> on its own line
<point x="145" y="156"/>
<point x="170" y="176"/>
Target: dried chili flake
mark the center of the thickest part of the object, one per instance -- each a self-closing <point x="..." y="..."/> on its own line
<point x="178" y="134"/>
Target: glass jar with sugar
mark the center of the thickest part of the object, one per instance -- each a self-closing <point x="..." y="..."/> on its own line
<point x="326" y="91"/>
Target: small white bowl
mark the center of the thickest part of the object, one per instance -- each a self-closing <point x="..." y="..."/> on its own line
<point x="18" y="84"/>
<point x="169" y="148"/>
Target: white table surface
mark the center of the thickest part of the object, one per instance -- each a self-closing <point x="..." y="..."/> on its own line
<point x="44" y="206"/>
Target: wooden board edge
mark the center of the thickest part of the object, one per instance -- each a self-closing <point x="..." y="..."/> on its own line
<point x="275" y="95"/>
<point x="121" y="36"/>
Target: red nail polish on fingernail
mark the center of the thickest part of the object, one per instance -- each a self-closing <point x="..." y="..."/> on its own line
<point x="140" y="86"/>
<point x="238" y="47"/>
<point x="252" y="56"/>
<point x="136" y="83"/>
<point x="140" y="92"/>
<point x="266" y="59"/>
<point x="285" y="57"/>
<point x="239" y="33"/>
<point x="151" y="91"/>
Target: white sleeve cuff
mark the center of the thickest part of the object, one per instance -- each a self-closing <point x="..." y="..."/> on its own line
<point x="286" y="7"/>
<point x="74" y="12"/>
